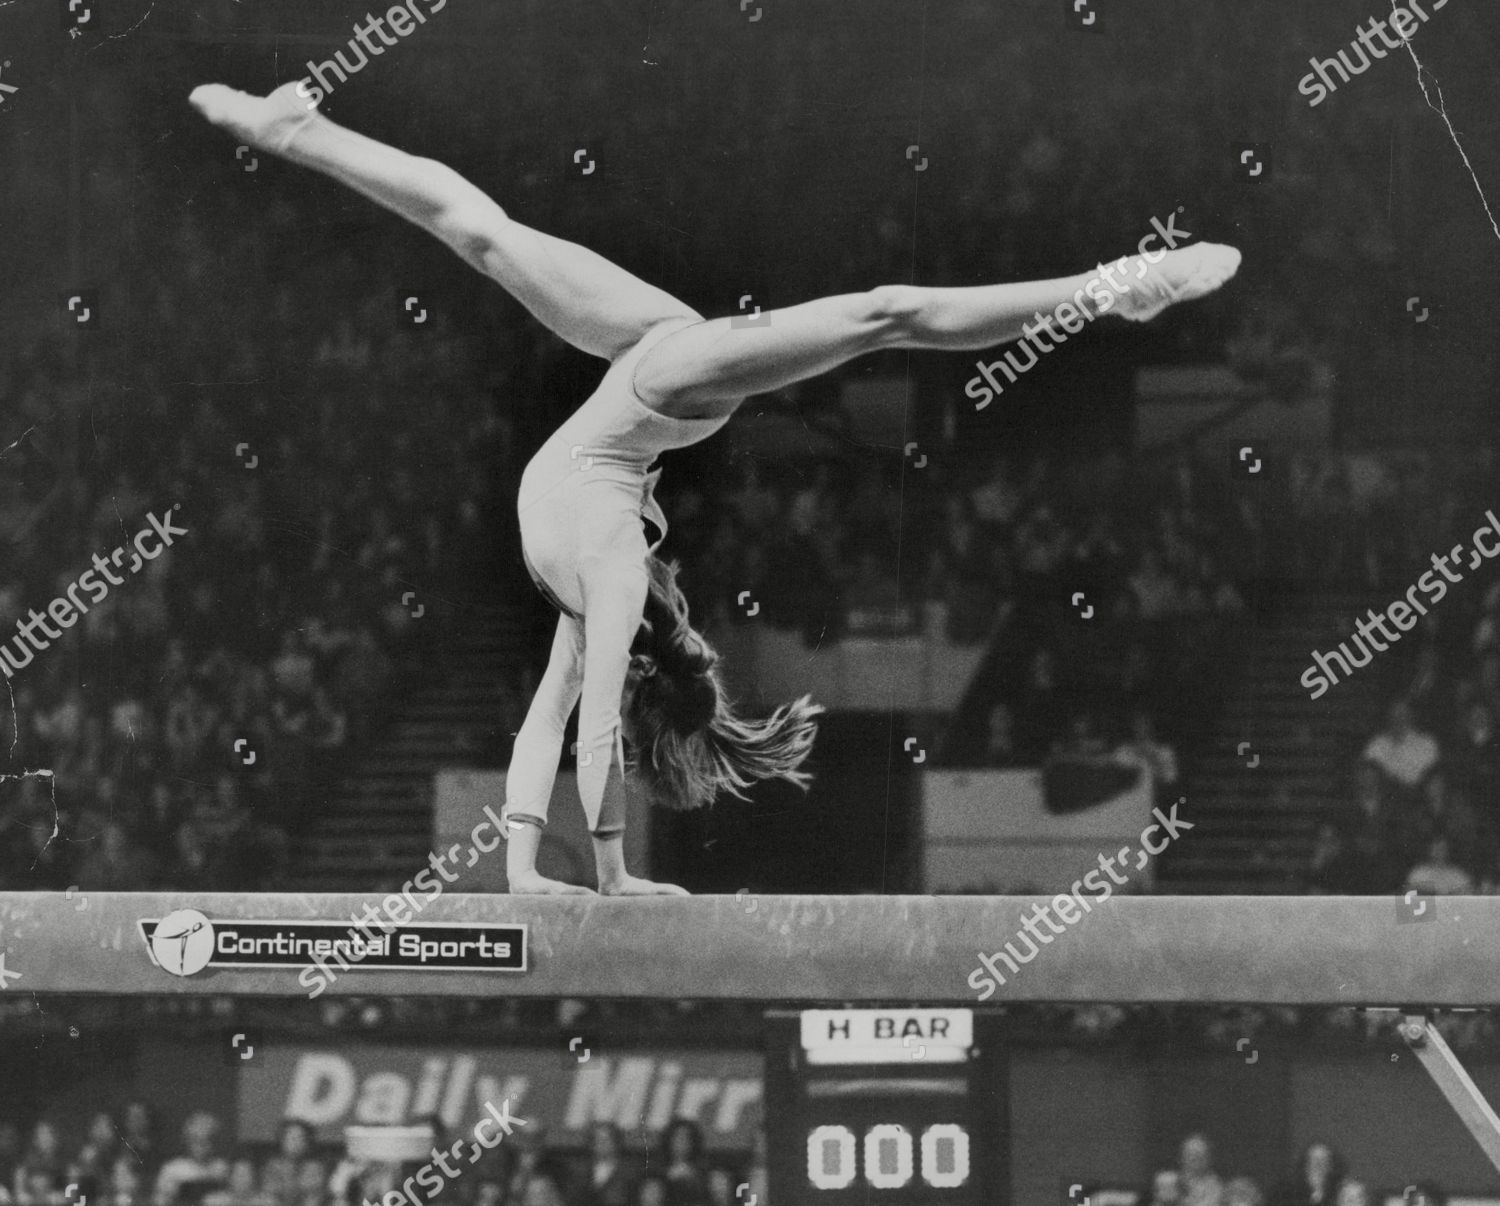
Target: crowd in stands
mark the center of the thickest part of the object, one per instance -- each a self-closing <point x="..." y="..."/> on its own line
<point x="182" y="734"/>
<point x="994" y="557"/>
<point x="1320" y="1176"/>
<point x="327" y="456"/>
<point x="1424" y="813"/>
<point x="1422" y="805"/>
<point x="124" y="1161"/>
<point x="822" y="543"/>
<point x="126" y="1149"/>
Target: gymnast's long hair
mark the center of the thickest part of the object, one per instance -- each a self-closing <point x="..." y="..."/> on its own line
<point x="688" y="743"/>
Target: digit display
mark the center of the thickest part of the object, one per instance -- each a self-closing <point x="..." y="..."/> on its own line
<point x="889" y="1156"/>
<point x="830" y="1157"/>
<point x="945" y="1156"/>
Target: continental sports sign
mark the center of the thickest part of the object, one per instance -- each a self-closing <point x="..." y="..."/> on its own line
<point x="185" y="942"/>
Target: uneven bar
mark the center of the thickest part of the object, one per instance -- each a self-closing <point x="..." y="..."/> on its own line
<point x="916" y="949"/>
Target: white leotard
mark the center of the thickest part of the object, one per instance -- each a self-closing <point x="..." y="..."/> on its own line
<point x="587" y="488"/>
<point x="582" y="500"/>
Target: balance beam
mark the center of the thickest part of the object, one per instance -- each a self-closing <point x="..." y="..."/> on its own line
<point x="817" y="949"/>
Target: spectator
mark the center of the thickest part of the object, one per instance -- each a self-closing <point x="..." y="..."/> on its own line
<point x="10" y="1154"/>
<point x="1222" y="596"/>
<point x="1082" y="742"/>
<point x="1401" y="752"/>
<point x="327" y="726"/>
<point x="1474" y="773"/>
<point x="40" y="1170"/>
<point x="996" y="501"/>
<point x="138" y="1142"/>
<point x="1315" y="1179"/>
<point x="117" y="864"/>
<point x="1166" y="1189"/>
<point x="1242" y="1191"/>
<point x="310" y="1184"/>
<point x="282" y="1176"/>
<point x="682" y="1156"/>
<point x="1143" y="749"/>
<point x="1042" y="543"/>
<point x="1487" y="631"/>
<point x="529" y="1147"/>
<point x="1200" y="1184"/>
<point x="721" y="1186"/>
<point x="1371" y="810"/>
<point x="543" y="1188"/>
<point x="101" y="1146"/>
<point x="1000" y="740"/>
<point x="126" y="1184"/>
<point x="356" y="1181"/>
<point x="1154" y="591"/>
<point x="186" y="1177"/>
<point x="653" y="1190"/>
<point x="608" y="1181"/>
<point x="1353" y="1193"/>
<point x="36" y="1186"/>
<point x="241" y="1189"/>
<point x="1437" y="875"/>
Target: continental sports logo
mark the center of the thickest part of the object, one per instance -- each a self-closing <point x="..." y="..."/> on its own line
<point x="185" y="942"/>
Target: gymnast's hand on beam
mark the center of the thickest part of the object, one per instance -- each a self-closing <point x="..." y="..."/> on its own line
<point x="539" y="885"/>
<point x="631" y="885"/>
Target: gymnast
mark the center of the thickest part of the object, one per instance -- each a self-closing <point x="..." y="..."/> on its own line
<point x="624" y="651"/>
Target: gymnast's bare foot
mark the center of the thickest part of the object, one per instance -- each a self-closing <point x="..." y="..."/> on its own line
<point x="631" y="885"/>
<point x="539" y="885"/>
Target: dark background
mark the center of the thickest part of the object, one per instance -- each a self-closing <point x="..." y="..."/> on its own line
<point x="765" y="157"/>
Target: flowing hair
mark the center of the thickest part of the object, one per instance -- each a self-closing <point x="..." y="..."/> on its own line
<point x="689" y="745"/>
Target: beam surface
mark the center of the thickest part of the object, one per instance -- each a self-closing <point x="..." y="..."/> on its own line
<point x="916" y="949"/>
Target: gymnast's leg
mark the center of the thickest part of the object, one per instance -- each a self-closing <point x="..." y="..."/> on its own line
<point x="577" y="294"/>
<point x="717" y="361"/>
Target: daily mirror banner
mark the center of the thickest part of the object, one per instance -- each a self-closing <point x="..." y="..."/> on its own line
<point x="563" y="1091"/>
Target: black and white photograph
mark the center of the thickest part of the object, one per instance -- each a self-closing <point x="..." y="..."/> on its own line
<point x="749" y="603"/>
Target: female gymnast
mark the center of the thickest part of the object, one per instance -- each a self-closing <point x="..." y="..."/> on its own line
<point x="623" y="641"/>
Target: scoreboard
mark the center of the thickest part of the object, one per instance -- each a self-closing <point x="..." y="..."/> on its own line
<point x="899" y="1106"/>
